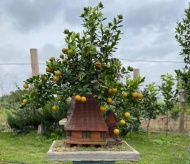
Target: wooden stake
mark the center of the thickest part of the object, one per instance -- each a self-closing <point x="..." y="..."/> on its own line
<point x="34" y="61"/>
<point x="136" y="73"/>
<point x="35" y="72"/>
<point x="182" y="113"/>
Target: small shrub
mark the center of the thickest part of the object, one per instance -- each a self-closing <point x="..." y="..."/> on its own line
<point x="12" y="101"/>
<point x="24" y="120"/>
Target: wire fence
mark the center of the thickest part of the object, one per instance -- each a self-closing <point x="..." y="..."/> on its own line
<point x="13" y="75"/>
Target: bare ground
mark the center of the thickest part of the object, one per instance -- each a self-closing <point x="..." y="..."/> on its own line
<point x="159" y="124"/>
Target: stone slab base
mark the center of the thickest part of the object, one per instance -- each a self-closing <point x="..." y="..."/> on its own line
<point x="93" y="156"/>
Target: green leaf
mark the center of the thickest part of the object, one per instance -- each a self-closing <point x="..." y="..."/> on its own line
<point x="48" y="63"/>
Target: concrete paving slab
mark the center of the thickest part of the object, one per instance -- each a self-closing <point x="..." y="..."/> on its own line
<point x="130" y="155"/>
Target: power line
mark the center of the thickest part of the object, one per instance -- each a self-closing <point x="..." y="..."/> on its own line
<point x="130" y="60"/>
<point x="19" y="63"/>
<point x="152" y="61"/>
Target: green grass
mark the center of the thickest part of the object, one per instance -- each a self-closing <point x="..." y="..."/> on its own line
<point x="28" y="148"/>
<point x="156" y="149"/>
<point x="32" y="148"/>
<point x="159" y="149"/>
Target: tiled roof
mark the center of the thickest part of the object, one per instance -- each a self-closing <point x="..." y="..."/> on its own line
<point x="86" y="116"/>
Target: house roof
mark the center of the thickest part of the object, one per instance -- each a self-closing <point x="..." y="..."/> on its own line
<point x="86" y="116"/>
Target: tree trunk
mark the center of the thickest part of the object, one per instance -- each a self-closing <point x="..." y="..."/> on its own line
<point x="147" y="128"/>
<point x="182" y="113"/>
<point x="167" y="120"/>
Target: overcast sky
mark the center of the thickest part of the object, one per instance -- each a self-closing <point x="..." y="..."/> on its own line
<point x="149" y="32"/>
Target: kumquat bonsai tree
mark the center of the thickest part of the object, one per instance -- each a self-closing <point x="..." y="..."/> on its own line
<point x="86" y="66"/>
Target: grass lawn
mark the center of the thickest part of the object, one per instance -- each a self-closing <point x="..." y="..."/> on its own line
<point x="32" y="148"/>
<point x="159" y="149"/>
<point x="156" y="149"/>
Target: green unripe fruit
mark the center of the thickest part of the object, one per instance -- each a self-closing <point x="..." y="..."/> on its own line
<point x="130" y="68"/>
<point x="64" y="50"/>
<point x="61" y="56"/>
<point x="107" y="32"/>
<point x="120" y="16"/>
<point x="82" y="15"/>
<point x="100" y="5"/>
<point x="66" y="31"/>
<point x="93" y="48"/>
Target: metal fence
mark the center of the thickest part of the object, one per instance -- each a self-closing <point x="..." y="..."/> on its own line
<point x="13" y="77"/>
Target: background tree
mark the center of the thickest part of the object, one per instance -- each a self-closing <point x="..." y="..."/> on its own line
<point x="183" y="38"/>
<point x="169" y="92"/>
<point x="151" y="108"/>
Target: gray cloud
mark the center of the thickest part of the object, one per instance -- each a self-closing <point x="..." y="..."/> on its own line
<point x="150" y="52"/>
<point x="27" y="15"/>
<point x="34" y="14"/>
<point x="49" y="50"/>
<point x="1" y="8"/>
<point x="72" y="11"/>
<point x="157" y="13"/>
<point x="31" y="14"/>
<point x="148" y="31"/>
<point x="11" y="54"/>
